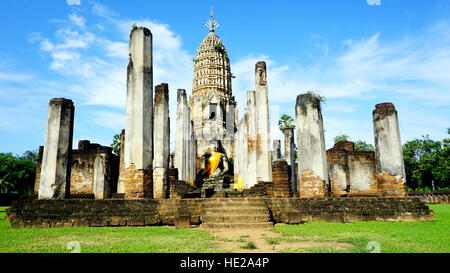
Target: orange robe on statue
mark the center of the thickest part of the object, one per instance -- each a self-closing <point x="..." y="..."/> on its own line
<point x="213" y="162"/>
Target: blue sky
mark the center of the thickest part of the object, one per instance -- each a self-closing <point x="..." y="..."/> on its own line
<point x="356" y="53"/>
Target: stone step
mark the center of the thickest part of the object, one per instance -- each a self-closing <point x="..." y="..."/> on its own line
<point x="236" y="225"/>
<point x="235" y="218"/>
<point x="242" y="211"/>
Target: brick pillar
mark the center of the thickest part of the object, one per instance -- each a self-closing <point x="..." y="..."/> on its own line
<point x="162" y="142"/>
<point x="388" y="151"/>
<point x="54" y="182"/>
<point x="312" y="159"/>
<point x="264" y="162"/>
<point x="139" y="117"/>
<point x="281" y="183"/>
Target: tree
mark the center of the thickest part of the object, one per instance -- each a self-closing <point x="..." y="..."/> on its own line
<point x="285" y="122"/>
<point x="17" y="173"/>
<point x="427" y="161"/>
<point x="117" y="144"/>
<point x="363" y="146"/>
<point x="342" y="137"/>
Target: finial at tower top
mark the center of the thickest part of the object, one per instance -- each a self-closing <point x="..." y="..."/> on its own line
<point x="212" y="24"/>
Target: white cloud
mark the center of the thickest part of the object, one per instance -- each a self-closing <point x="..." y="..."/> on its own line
<point x="79" y="21"/>
<point x="73" y="2"/>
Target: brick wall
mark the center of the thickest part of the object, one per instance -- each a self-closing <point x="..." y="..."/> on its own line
<point x="29" y="212"/>
<point x="351" y="172"/>
<point x="82" y="172"/>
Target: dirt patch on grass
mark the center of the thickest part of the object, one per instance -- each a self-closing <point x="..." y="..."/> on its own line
<point x="266" y="241"/>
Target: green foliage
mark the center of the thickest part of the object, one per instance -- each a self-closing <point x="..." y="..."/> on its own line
<point x="363" y="146"/>
<point x="315" y="95"/>
<point x="360" y="145"/>
<point x="285" y="122"/>
<point x="117" y="144"/>
<point x="219" y="48"/>
<point x="427" y="161"/>
<point x="342" y="137"/>
<point x="195" y="60"/>
<point x="17" y="173"/>
<point x="249" y="245"/>
<point x="134" y="26"/>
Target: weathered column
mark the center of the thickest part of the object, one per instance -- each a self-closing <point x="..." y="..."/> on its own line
<point x="139" y="116"/>
<point x="388" y="151"/>
<point x="56" y="161"/>
<point x="252" y="167"/>
<point x="264" y="162"/>
<point x="161" y="138"/>
<point x="191" y="159"/>
<point x="181" y="148"/>
<point x="237" y="155"/>
<point x="38" y="170"/>
<point x="188" y="140"/>
<point x="101" y="187"/>
<point x="289" y="155"/>
<point x="276" y="150"/>
<point x="121" y="181"/>
<point x="312" y="159"/>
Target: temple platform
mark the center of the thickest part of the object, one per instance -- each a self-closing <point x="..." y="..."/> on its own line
<point x="212" y="212"/>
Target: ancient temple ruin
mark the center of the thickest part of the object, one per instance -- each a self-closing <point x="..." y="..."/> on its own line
<point x="223" y="171"/>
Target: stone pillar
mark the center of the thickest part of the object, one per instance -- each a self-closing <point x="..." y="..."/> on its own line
<point x="38" y="170"/>
<point x="289" y="155"/>
<point x="161" y="138"/>
<point x="252" y="167"/>
<point x="181" y="148"/>
<point x="56" y="161"/>
<point x="102" y="187"/>
<point x="121" y="181"/>
<point x="192" y="154"/>
<point x="312" y="159"/>
<point x="264" y="162"/>
<point x="188" y="144"/>
<point x="389" y="162"/>
<point x="139" y="116"/>
<point x="276" y="150"/>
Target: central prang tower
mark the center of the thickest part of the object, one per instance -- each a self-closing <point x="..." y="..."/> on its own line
<point x="212" y="104"/>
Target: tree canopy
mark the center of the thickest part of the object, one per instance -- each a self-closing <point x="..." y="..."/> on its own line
<point x="17" y="173"/>
<point x="427" y="162"/>
<point x="285" y="122"/>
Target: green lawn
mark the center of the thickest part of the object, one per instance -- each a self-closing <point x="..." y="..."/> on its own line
<point x="104" y="239"/>
<point x="391" y="236"/>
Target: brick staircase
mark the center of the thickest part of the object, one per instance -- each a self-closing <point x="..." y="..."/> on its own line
<point x="242" y="213"/>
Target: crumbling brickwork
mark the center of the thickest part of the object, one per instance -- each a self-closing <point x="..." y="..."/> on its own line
<point x="83" y="160"/>
<point x="351" y="172"/>
<point x="310" y="185"/>
<point x="390" y="185"/>
<point x="138" y="183"/>
<point x="280" y="175"/>
<point x="147" y="212"/>
<point x="82" y="170"/>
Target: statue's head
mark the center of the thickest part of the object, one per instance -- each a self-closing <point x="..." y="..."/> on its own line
<point x="215" y="146"/>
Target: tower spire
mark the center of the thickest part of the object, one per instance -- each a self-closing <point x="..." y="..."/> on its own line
<point x="212" y="24"/>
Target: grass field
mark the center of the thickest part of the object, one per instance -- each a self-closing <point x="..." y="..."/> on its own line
<point x="389" y="236"/>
